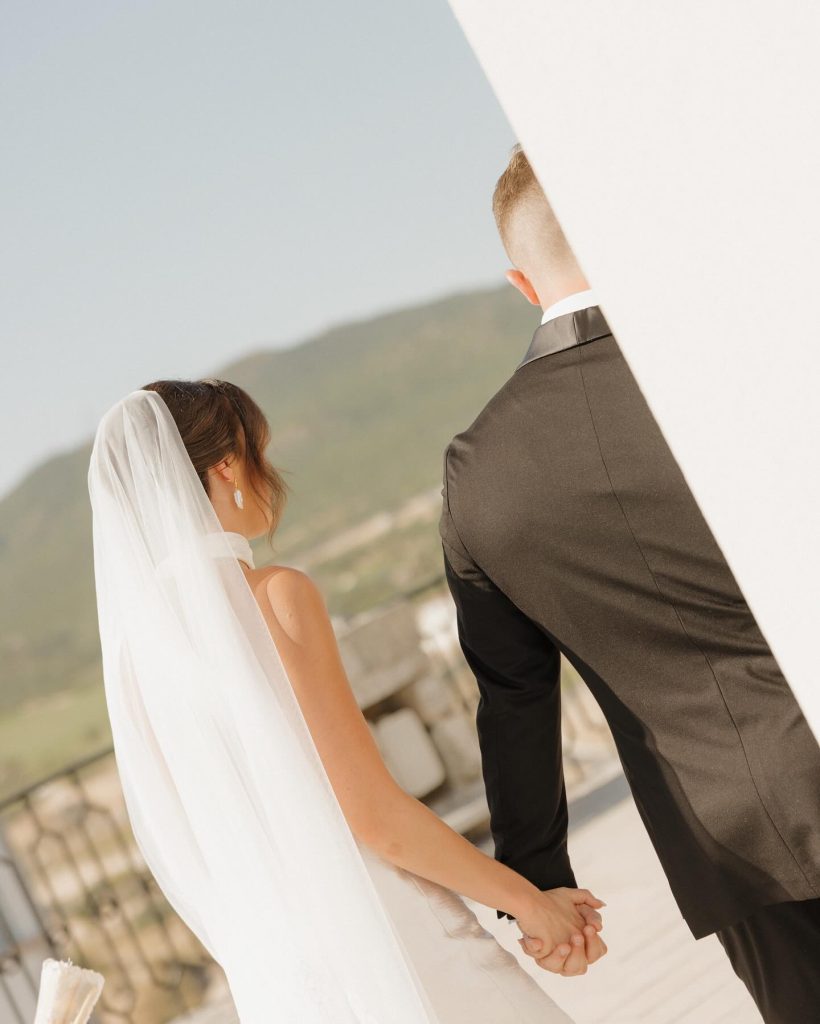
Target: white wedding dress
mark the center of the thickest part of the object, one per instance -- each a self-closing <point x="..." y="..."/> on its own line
<point x="468" y="975"/>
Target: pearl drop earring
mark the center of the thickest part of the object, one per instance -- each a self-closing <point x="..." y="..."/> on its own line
<point x="237" y="494"/>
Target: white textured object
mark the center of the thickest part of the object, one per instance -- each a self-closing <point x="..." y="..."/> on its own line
<point x="409" y="753"/>
<point x="674" y="143"/>
<point x="456" y="740"/>
<point x="431" y="698"/>
<point x="68" y="993"/>
<point x="381" y="652"/>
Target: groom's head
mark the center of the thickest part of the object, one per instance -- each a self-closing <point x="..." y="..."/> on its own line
<point x="545" y="268"/>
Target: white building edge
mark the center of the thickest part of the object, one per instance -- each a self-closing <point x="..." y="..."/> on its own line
<point x="675" y="143"/>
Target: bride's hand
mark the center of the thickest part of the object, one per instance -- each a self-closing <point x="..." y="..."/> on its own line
<point x="560" y="930"/>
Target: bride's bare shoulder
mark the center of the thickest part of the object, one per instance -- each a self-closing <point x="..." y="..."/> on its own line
<point x="290" y="595"/>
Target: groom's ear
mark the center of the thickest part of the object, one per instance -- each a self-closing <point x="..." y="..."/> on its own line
<point x="522" y="283"/>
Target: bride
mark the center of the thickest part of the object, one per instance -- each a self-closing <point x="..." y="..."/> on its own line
<point x="255" y="789"/>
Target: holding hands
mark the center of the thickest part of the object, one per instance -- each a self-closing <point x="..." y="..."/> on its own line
<point x="560" y="930"/>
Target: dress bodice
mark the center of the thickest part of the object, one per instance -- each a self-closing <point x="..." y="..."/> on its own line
<point x="214" y="544"/>
<point x="240" y="546"/>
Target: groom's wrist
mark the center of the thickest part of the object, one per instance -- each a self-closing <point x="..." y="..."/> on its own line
<point x="530" y="883"/>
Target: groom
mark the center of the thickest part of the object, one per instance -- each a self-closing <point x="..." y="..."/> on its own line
<point x="568" y="528"/>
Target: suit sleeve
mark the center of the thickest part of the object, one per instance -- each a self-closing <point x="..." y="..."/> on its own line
<point x="517" y="669"/>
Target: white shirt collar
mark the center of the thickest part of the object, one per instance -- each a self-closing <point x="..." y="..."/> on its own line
<point x="569" y="304"/>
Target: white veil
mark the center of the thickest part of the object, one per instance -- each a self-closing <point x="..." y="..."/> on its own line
<point x="229" y="801"/>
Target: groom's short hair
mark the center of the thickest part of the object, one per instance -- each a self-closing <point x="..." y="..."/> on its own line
<point x="525" y="220"/>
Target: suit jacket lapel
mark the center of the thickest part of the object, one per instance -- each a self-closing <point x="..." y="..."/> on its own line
<point x="566" y="331"/>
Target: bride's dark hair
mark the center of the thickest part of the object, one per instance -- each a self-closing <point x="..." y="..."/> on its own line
<point x="216" y="418"/>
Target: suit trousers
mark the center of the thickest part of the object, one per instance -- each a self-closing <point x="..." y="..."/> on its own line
<point x="776" y="953"/>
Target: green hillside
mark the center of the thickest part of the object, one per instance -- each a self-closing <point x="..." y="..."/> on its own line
<point x="360" y="416"/>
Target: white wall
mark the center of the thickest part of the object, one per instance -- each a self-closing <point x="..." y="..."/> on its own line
<point x="678" y="144"/>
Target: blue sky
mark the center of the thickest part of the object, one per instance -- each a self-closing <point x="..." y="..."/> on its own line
<point x="184" y="182"/>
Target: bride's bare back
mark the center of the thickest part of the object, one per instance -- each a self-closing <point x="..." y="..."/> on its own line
<point x="297" y="617"/>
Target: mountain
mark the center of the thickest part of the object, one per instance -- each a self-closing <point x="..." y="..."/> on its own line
<point x="360" y="416"/>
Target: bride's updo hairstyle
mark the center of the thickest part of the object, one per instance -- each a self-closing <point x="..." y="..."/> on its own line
<point x="215" y="419"/>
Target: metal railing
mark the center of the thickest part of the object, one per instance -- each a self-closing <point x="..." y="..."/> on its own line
<point x="75" y="886"/>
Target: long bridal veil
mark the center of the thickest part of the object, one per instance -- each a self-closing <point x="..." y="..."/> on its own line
<point x="229" y="801"/>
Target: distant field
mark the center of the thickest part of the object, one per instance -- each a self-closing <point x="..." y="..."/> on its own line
<point x="43" y="735"/>
<point x="360" y="417"/>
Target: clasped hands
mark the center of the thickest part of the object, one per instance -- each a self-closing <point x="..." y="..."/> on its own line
<point x="560" y="930"/>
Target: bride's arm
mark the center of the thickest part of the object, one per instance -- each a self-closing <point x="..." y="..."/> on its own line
<point x="379" y="812"/>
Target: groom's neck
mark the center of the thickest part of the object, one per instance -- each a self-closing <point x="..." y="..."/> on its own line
<point x="549" y="290"/>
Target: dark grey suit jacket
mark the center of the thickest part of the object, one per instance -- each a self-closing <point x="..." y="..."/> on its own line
<point x="567" y="526"/>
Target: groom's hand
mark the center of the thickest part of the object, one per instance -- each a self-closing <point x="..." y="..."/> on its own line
<point x="569" y="959"/>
